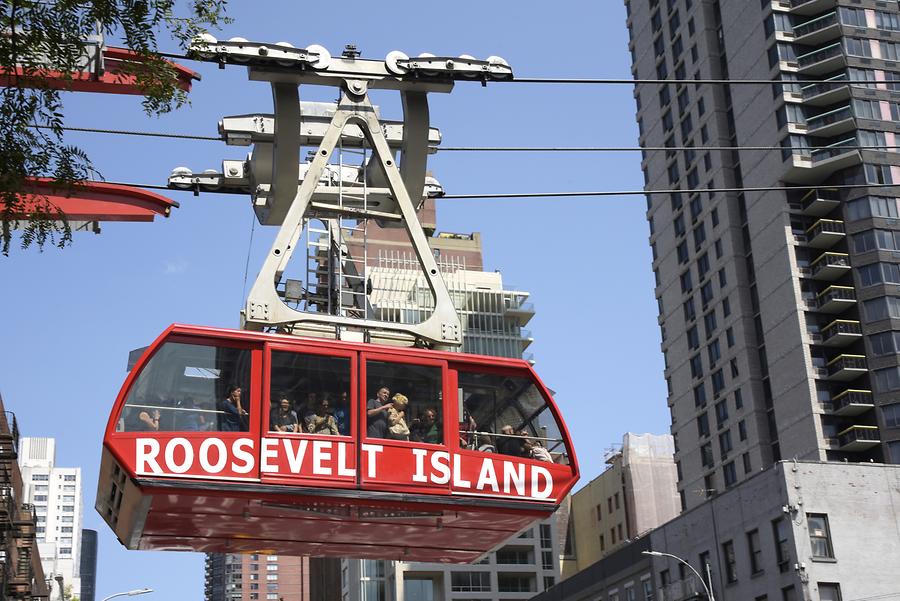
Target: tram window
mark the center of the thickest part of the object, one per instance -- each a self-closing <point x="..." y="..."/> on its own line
<point x="508" y="415"/>
<point x="311" y="391"/>
<point x="404" y="402"/>
<point x="190" y="388"/>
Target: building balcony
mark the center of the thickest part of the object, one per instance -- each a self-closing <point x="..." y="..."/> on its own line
<point x="813" y="166"/>
<point x="525" y="338"/>
<point x="819" y="202"/>
<point x="689" y="589"/>
<point x="830" y="91"/>
<point x="521" y="311"/>
<point x="844" y="368"/>
<point x="825" y="233"/>
<point x="810" y="7"/>
<point x="830" y="266"/>
<point x="822" y="60"/>
<point x="859" y="438"/>
<point x="841" y="332"/>
<point x="832" y="123"/>
<point x="818" y="30"/>
<point x="852" y="402"/>
<point x="835" y="299"/>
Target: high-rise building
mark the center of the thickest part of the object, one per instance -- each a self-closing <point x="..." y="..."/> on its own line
<point x="21" y="573"/>
<point x="248" y="577"/>
<point x="778" y="308"/>
<point x="492" y="319"/>
<point x="88" y="566"/>
<point x="55" y="493"/>
<point x="636" y="493"/>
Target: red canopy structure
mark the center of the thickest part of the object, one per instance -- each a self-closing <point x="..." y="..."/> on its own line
<point x="93" y="201"/>
<point x="109" y="78"/>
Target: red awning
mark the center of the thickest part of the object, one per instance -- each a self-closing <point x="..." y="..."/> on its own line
<point x="98" y="201"/>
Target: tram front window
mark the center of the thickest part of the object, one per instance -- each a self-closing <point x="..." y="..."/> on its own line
<point x="404" y="402"/>
<point x="190" y="388"/>
<point x="309" y="394"/>
<point x="508" y="415"/>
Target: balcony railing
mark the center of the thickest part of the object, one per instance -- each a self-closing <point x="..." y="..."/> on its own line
<point x="852" y="402"/>
<point x="835" y="299"/>
<point x="859" y="438"/>
<point x="825" y="233"/>
<point x="830" y="265"/>
<point x="833" y="150"/>
<point x="820" y="201"/>
<point x="820" y="55"/>
<point x="846" y="367"/>
<point x="841" y="332"/>
<point x="823" y="120"/>
<point x="828" y="86"/>
<point x="817" y="24"/>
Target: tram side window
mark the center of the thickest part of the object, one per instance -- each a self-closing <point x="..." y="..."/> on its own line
<point x="404" y="402"/>
<point x="190" y="388"/>
<point x="508" y="415"/>
<point x="309" y="394"/>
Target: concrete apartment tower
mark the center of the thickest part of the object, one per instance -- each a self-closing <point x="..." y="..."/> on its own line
<point x="778" y="309"/>
<point x="55" y="494"/>
<point x="635" y="494"/>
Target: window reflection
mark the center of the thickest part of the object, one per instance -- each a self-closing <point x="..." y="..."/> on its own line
<point x="508" y="415"/>
<point x="190" y="388"/>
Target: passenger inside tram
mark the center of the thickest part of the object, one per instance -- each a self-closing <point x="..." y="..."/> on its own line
<point x="396" y="418"/>
<point x="426" y="429"/>
<point x="233" y="417"/>
<point x="283" y="418"/>
<point x="414" y="412"/>
<point x="322" y="421"/>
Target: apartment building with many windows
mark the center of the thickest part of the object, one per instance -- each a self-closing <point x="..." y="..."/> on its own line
<point x="256" y="576"/>
<point x="778" y="309"/>
<point x="55" y="494"/>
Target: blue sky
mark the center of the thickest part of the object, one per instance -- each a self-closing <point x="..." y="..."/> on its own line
<point x="73" y="315"/>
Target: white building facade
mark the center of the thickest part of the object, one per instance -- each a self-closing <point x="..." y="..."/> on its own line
<point x="55" y="493"/>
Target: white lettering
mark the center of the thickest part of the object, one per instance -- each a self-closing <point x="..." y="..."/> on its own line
<point x="240" y="454"/>
<point x="370" y="450"/>
<point x="146" y="453"/>
<point x="514" y="474"/>
<point x="536" y="471"/>
<point x="269" y="451"/>
<point x="441" y="467"/>
<point x="221" y="458"/>
<point x="179" y="468"/>
<point x="343" y="470"/>
<point x="321" y="453"/>
<point x="458" y="480"/>
<point x="488" y="476"/>
<point x="419" y="476"/>
<point x="295" y="460"/>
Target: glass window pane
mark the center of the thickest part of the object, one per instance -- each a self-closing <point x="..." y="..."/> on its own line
<point x="189" y="388"/>
<point x="404" y="402"/>
<point x="309" y="394"/>
<point x="507" y="414"/>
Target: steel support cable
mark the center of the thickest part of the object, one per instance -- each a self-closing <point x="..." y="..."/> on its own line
<point x="176" y="136"/>
<point x="576" y="194"/>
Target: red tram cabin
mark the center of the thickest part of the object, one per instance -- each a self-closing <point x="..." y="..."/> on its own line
<point x="235" y="441"/>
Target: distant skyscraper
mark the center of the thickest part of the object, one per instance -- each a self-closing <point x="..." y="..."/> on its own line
<point x="88" y="564"/>
<point x="55" y="493"/>
<point x="778" y="308"/>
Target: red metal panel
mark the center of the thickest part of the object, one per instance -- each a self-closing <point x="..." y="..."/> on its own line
<point x="95" y="201"/>
<point x="112" y="81"/>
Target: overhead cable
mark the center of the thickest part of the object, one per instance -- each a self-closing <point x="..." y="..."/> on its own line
<point x="491" y="195"/>
<point x="178" y="136"/>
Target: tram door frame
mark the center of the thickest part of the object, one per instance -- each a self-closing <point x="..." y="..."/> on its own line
<point x="328" y="449"/>
<point x="396" y="462"/>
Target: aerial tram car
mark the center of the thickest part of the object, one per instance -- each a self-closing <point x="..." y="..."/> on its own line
<point x="346" y="443"/>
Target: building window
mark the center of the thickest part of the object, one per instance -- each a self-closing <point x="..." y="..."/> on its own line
<point x="819" y="537"/>
<point x="648" y="589"/>
<point x="755" y="552"/>
<point x="782" y="546"/>
<point x="746" y="458"/>
<point x="706" y="456"/>
<point x="789" y="593"/>
<point x="470" y="582"/>
<point x="718" y="382"/>
<point x="516" y="583"/>
<point x="730" y="562"/>
<point x="700" y="396"/>
<point x="829" y="591"/>
<point x="549" y="581"/>
<point x="721" y="413"/>
<point x="602" y="543"/>
<point x="725" y="444"/>
<point x="702" y="425"/>
<point x="730" y="474"/>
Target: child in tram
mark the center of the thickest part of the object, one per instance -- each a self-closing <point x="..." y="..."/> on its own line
<point x="396" y="418"/>
<point x="322" y="422"/>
